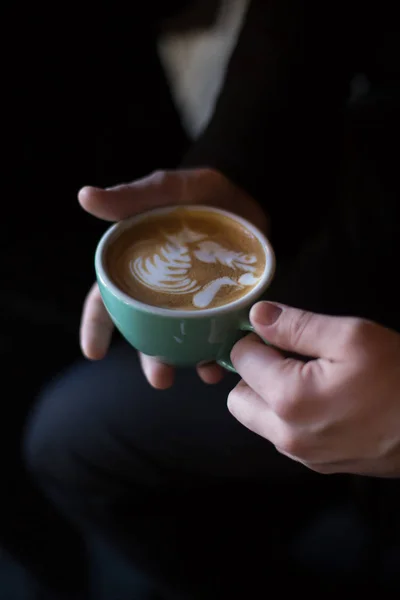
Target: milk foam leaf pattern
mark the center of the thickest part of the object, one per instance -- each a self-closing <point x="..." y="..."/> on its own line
<point x="166" y="271"/>
<point x="169" y="265"/>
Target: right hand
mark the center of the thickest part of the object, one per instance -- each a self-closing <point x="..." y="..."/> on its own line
<point x="163" y="188"/>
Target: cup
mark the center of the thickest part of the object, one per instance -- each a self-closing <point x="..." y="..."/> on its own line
<point x="180" y="337"/>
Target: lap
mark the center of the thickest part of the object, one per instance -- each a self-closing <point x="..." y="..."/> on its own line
<point x="169" y="477"/>
<point x="106" y="415"/>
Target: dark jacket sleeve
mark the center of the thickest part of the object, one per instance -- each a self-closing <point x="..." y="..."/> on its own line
<point x="285" y="85"/>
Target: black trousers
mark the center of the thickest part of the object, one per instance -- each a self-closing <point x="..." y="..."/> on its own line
<point x="201" y="506"/>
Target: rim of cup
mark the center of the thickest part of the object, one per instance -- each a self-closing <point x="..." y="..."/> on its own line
<point x="241" y="303"/>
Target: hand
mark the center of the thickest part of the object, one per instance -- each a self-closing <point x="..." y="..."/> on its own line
<point x="337" y="413"/>
<point x="163" y="188"/>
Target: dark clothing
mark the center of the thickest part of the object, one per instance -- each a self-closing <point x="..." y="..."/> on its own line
<point x="84" y="101"/>
<point x="182" y="490"/>
<point x="171" y="481"/>
<point x="281" y="115"/>
<point x="107" y="448"/>
<point x="290" y="77"/>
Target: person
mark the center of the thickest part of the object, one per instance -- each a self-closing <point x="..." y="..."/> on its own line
<point x="169" y="478"/>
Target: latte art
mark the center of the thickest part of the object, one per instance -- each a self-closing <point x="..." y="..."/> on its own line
<point x="187" y="259"/>
<point x="169" y="270"/>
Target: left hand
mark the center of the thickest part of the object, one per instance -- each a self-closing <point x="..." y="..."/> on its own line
<point x="162" y="188"/>
<point x="336" y="413"/>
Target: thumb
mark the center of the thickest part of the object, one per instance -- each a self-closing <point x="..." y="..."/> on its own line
<point x="122" y="201"/>
<point x="298" y="331"/>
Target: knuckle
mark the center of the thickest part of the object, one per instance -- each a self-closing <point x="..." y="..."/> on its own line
<point x="286" y="407"/>
<point x="158" y="176"/>
<point x="291" y="444"/>
<point x="166" y="182"/>
<point x="239" y="404"/>
<point x="240" y="355"/>
<point x="298" y="326"/>
<point x="360" y="333"/>
<point x="235" y="353"/>
<point x="287" y="402"/>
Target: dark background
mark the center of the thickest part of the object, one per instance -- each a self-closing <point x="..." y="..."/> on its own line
<point x="85" y="101"/>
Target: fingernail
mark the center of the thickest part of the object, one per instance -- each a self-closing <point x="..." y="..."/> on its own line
<point x="265" y="313"/>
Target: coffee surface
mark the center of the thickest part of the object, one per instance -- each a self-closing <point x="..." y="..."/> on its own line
<point x="186" y="260"/>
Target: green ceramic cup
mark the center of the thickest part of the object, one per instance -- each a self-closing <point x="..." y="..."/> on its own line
<point x="178" y="337"/>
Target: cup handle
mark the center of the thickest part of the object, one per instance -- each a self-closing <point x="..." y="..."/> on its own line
<point x="226" y="362"/>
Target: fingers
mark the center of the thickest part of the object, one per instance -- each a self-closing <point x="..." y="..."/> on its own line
<point x="159" y="375"/>
<point x="161" y="188"/>
<point x="210" y="373"/>
<point x="95" y="336"/>
<point x="96" y="326"/>
<point x="266" y="370"/>
<point x="167" y="188"/>
<point x="302" y="332"/>
<point x="255" y="414"/>
<point x="252" y="412"/>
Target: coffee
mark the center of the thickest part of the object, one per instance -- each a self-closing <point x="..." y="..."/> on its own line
<point x="186" y="259"/>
